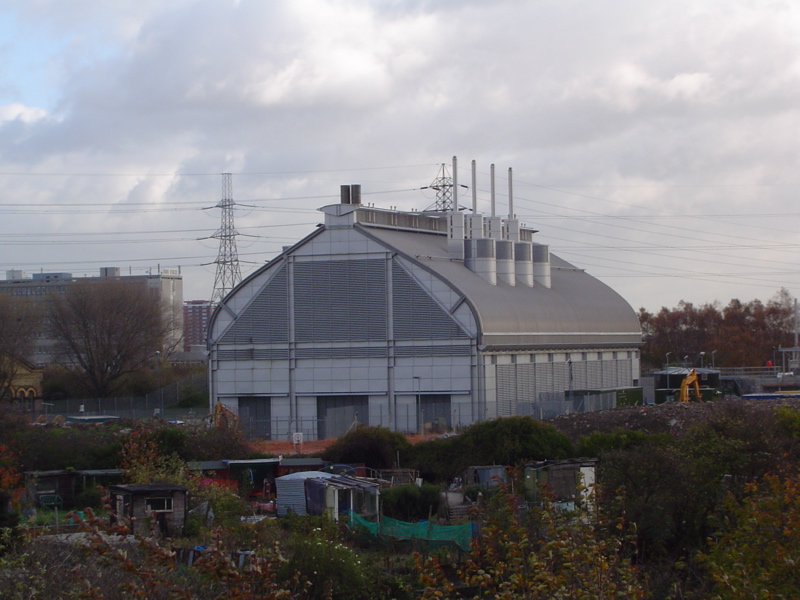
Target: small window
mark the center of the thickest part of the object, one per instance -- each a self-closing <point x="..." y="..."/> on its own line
<point x="614" y="355"/>
<point x="493" y="359"/>
<point x="584" y="356"/>
<point x="568" y="357"/>
<point x="550" y="357"/>
<point x="513" y="359"/>
<point x="158" y="504"/>
<point x="599" y="356"/>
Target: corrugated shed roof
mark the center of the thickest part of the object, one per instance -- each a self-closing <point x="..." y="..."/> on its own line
<point x="577" y="309"/>
<point x="291" y="491"/>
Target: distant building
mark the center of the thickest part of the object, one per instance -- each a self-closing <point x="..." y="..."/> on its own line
<point x="167" y="285"/>
<point x="196" y="314"/>
<point x="26" y="383"/>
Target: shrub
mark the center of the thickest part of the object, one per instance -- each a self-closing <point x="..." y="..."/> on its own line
<point x="541" y="554"/>
<point x="331" y="569"/>
<point x="410" y="503"/>
<point x="374" y="447"/>
<point x="594" y="444"/>
<point x="507" y="441"/>
<point x="754" y="553"/>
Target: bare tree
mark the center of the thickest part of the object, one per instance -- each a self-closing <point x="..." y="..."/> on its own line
<point x="19" y="322"/>
<point x="107" y="330"/>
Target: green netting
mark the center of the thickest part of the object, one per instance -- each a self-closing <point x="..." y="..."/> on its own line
<point x="430" y="534"/>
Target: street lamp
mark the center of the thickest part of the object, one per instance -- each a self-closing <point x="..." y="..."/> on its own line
<point x="419" y="406"/>
<point x="667" y="368"/>
<point x="158" y="382"/>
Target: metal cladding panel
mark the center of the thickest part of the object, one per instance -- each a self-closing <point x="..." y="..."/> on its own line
<point x="340" y="300"/>
<point x="544" y="378"/>
<point x="417" y="316"/>
<point x="526" y="382"/>
<point x="266" y="319"/>
<point x="594" y="374"/>
<point x="576" y="309"/>
<point x="506" y="390"/>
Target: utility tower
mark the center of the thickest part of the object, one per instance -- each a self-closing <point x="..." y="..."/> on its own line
<point x="443" y="184"/>
<point x="228" y="271"/>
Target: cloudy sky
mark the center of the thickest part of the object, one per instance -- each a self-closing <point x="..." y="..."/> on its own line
<point x="654" y="144"/>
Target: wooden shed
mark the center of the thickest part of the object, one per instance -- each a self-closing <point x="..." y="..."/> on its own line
<point x="150" y="506"/>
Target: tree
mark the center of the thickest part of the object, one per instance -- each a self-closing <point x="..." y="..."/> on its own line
<point x="107" y="331"/>
<point x="742" y="334"/>
<point x="542" y="553"/>
<point x="19" y="321"/>
<point x="756" y="551"/>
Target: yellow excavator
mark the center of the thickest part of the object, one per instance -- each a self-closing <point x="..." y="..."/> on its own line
<point x="691" y="379"/>
<point x="224" y="417"/>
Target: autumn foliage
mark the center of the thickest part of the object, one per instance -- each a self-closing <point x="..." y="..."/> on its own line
<point x="739" y="334"/>
<point x="540" y="553"/>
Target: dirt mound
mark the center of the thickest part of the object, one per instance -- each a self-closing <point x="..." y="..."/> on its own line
<point x="670" y="417"/>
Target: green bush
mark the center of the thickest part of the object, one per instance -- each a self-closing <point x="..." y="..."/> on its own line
<point x="374" y="447"/>
<point x="410" y="503"/>
<point x="331" y="569"/>
<point x="91" y="498"/>
<point x="507" y="441"/>
<point x="594" y="444"/>
<point x="789" y="419"/>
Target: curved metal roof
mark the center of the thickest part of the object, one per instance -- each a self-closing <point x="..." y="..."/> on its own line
<point x="577" y="309"/>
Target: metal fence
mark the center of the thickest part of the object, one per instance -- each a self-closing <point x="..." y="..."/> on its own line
<point x="160" y="403"/>
<point x="551" y="405"/>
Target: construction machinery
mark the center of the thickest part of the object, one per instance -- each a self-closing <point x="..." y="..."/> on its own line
<point x="224" y="417"/>
<point x="691" y="380"/>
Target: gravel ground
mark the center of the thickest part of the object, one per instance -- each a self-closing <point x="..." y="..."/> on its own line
<point x="670" y="417"/>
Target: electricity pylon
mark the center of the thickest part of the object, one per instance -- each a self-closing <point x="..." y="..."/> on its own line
<point x="228" y="271"/>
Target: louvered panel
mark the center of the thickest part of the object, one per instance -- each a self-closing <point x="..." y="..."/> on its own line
<point x="579" y="375"/>
<point x="544" y="378"/>
<point x="624" y="373"/>
<point x="560" y="377"/>
<point x="417" y="316"/>
<point x="609" y="374"/>
<point x="526" y="382"/>
<point x="506" y="390"/>
<point x="319" y="353"/>
<point x="340" y="301"/>
<point x="417" y="350"/>
<point x="594" y="375"/>
<point x="253" y="354"/>
<point x="266" y="319"/>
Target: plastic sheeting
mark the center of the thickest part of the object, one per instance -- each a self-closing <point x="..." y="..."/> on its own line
<point x="425" y="533"/>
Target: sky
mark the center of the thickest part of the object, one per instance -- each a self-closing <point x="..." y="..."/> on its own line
<point x="653" y="144"/>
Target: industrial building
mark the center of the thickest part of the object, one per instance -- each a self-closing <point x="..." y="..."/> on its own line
<point x="417" y="321"/>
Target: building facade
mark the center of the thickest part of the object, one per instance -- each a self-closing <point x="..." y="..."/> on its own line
<point x="416" y="322"/>
<point x="196" y="315"/>
<point x="166" y="285"/>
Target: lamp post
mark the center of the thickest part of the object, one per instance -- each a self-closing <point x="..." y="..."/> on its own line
<point x="419" y="405"/>
<point x="702" y="356"/>
<point x="158" y="382"/>
<point x="667" y="368"/>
